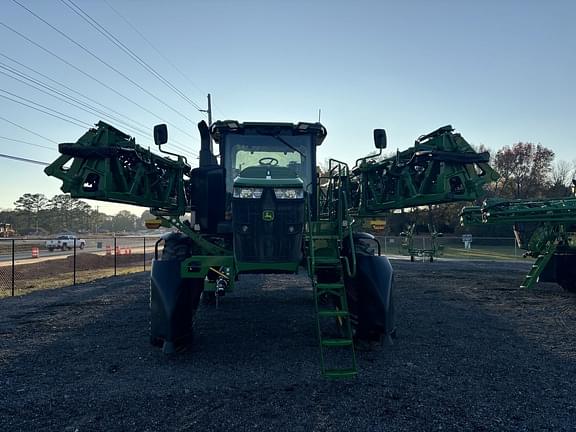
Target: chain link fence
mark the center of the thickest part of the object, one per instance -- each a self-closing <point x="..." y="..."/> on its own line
<point x="27" y="264"/>
<point x="456" y="247"/>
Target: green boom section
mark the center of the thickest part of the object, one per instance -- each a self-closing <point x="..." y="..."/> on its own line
<point x="441" y="168"/>
<point x="537" y="223"/>
<point x="545" y="228"/>
<point x="107" y="165"/>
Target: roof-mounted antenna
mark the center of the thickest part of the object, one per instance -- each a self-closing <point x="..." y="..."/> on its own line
<point x="319" y="114"/>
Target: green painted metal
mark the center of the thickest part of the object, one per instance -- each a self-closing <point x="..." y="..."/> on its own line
<point x="441" y="167"/>
<point x="250" y="267"/>
<point x="543" y="227"/>
<point x="198" y="266"/>
<point x="205" y="246"/>
<point x="557" y="210"/>
<point x="325" y="240"/>
<point x="331" y="308"/>
<point x="539" y="265"/>
<point x="409" y="247"/>
<point x="108" y="165"/>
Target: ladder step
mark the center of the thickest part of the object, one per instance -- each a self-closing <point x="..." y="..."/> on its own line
<point x="329" y="286"/>
<point x="324" y="227"/>
<point x="325" y="237"/>
<point x="340" y="373"/>
<point x="326" y="260"/>
<point x="334" y="343"/>
<point x="333" y="313"/>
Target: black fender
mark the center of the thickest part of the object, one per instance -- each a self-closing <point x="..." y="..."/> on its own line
<point x="370" y="292"/>
<point x="561" y="269"/>
<point x="173" y="299"/>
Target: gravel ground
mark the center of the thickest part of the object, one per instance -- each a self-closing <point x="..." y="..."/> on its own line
<point x="474" y="352"/>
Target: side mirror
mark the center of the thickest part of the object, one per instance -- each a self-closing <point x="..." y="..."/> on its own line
<point x="380" y="138"/>
<point x="160" y="134"/>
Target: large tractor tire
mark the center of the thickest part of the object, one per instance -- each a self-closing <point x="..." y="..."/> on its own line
<point x="173" y="299"/>
<point x="566" y="274"/>
<point x="370" y="293"/>
<point x="561" y="269"/>
<point x="209" y="298"/>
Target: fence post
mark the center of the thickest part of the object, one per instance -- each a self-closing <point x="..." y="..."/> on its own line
<point x="144" y="254"/>
<point x="74" y="265"/>
<point x="13" y="267"/>
<point x="115" y="253"/>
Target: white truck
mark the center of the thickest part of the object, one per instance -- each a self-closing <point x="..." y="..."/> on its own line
<point x="65" y="242"/>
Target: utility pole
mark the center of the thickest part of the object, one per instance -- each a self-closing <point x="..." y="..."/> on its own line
<point x="209" y="112"/>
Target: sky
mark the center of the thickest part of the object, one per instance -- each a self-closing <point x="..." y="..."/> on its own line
<point x="499" y="71"/>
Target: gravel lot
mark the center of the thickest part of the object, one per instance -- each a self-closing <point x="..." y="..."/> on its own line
<point x="474" y="352"/>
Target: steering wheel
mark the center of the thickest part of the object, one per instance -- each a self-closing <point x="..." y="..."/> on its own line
<point x="268" y="161"/>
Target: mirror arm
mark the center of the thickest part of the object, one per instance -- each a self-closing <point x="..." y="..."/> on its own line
<point x="172" y="154"/>
<point x="365" y="158"/>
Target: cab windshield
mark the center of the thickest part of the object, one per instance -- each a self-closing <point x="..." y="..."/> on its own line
<point x="286" y="151"/>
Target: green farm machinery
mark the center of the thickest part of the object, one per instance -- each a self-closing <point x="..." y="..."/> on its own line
<point x="545" y="228"/>
<point x="261" y="207"/>
<point x="408" y="245"/>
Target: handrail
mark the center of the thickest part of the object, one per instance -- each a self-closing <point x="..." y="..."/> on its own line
<point x="351" y="239"/>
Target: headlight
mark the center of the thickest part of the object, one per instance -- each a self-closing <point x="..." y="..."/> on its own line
<point x="247" y="192"/>
<point x="292" y="193"/>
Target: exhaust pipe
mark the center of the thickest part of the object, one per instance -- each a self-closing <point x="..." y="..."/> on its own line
<point x="206" y="156"/>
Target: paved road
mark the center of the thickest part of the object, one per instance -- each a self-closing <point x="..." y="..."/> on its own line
<point x="135" y="244"/>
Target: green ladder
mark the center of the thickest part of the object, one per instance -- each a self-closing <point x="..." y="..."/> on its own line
<point x="337" y="356"/>
<point x="538" y="266"/>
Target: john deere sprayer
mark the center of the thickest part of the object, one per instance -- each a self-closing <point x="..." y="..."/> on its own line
<point x="544" y="228"/>
<point x="262" y="207"/>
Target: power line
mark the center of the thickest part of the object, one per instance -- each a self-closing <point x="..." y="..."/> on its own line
<point x="67" y="96"/>
<point x="86" y="50"/>
<point x="28" y="143"/>
<point x="46" y="110"/>
<point x="182" y="149"/>
<point x="106" y="33"/>
<point x="15" y="71"/>
<point x="23" y="159"/>
<point x="32" y="144"/>
<point x="89" y="76"/>
<point x="194" y="156"/>
<point x="159" y="52"/>
<point x="28" y="130"/>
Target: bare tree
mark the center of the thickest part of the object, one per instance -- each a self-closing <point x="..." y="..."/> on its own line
<point x="524" y="170"/>
<point x="561" y="179"/>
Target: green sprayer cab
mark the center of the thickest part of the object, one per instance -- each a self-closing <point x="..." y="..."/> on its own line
<point x="261" y="206"/>
<point x="270" y="171"/>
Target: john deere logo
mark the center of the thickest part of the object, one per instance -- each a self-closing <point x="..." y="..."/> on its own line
<point x="268" y="215"/>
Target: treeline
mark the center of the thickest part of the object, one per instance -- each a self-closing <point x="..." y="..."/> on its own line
<point x="527" y="171"/>
<point x="37" y="214"/>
